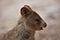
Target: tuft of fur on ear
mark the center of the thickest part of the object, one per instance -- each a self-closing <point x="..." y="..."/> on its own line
<point x="26" y="10"/>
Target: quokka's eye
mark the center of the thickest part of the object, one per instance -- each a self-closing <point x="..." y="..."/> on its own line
<point x="37" y="20"/>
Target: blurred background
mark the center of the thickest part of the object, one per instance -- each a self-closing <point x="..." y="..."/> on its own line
<point x="49" y="10"/>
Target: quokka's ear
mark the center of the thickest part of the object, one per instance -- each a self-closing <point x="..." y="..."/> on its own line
<point x="25" y="11"/>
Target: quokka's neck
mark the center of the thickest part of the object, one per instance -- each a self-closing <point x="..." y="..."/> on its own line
<point x="26" y="32"/>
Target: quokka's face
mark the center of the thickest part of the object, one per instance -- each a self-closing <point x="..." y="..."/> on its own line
<point x="33" y="20"/>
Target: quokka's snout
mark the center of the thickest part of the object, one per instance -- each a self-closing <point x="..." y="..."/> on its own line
<point x="43" y="24"/>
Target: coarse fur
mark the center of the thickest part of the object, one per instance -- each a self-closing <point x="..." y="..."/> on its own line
<point x="29" y="22"/>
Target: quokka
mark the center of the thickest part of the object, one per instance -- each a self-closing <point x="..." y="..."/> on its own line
<point x="25" y="29"/>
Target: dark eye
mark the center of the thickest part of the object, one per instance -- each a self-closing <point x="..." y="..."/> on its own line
<point x="37" y="20"/>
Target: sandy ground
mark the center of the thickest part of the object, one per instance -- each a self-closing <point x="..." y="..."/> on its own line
<point x="49" y="10"/>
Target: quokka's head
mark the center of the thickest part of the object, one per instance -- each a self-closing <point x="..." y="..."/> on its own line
<point x="33" y="20"/>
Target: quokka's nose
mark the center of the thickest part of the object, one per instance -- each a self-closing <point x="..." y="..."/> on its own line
<point x="45" y="25"/>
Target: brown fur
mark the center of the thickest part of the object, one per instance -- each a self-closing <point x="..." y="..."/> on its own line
<point x="29" y="22"/>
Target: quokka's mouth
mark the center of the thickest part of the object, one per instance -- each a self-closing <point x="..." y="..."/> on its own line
<point x="41" y="28"/>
